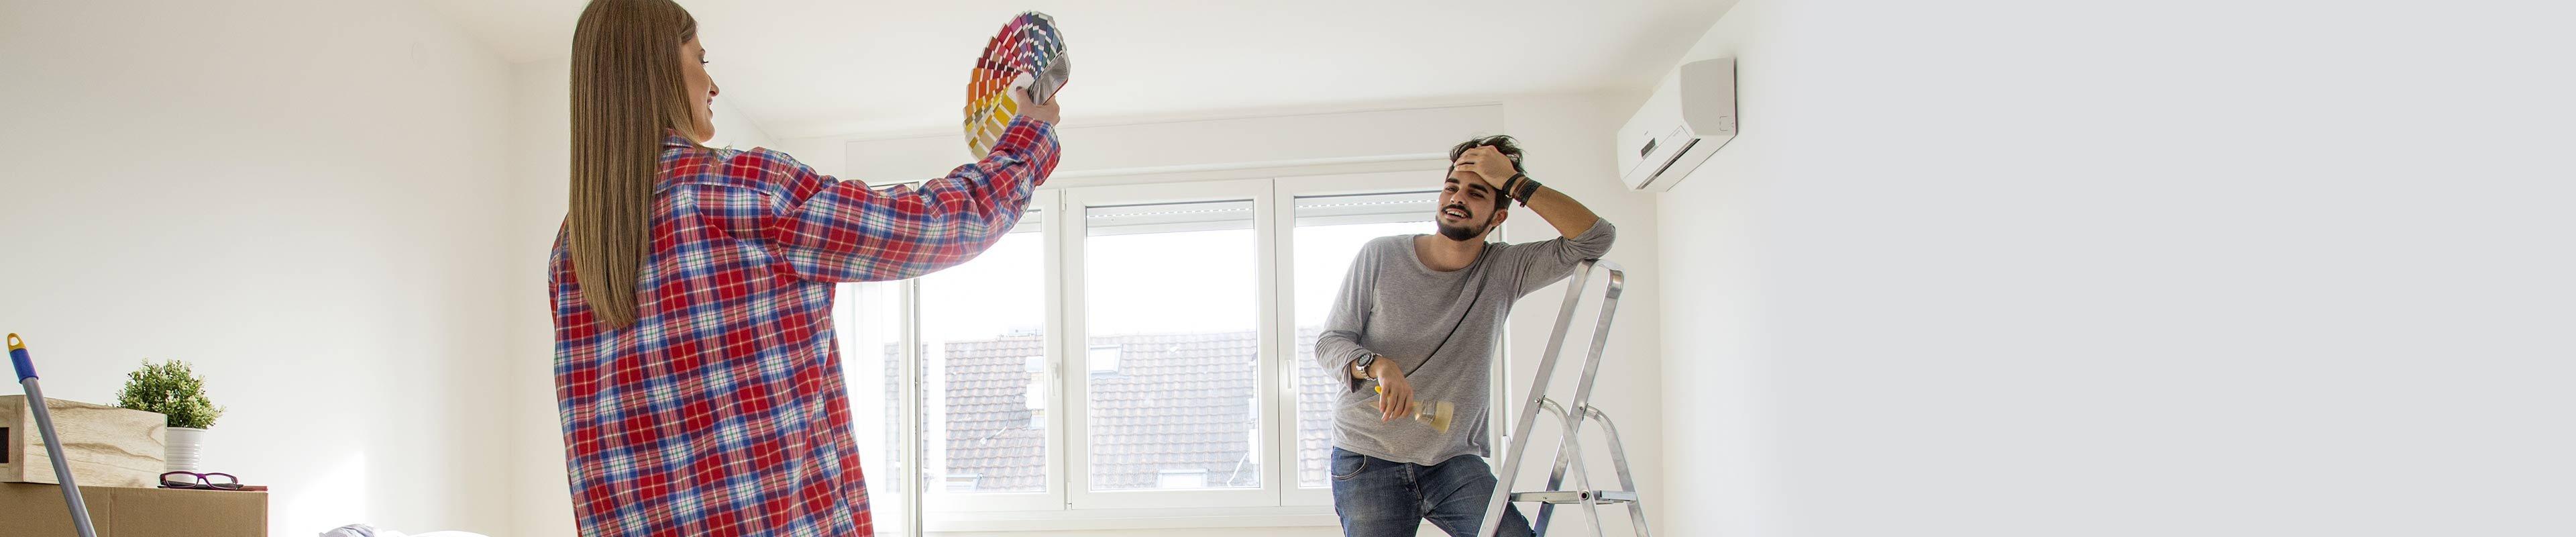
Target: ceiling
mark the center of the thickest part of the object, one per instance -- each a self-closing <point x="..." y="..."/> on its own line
<point x="804" y="68"/>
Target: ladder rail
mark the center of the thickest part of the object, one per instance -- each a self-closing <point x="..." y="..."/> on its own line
<point x="1568" y="446"/>
<point x="1582" y="473"/>
<point x="1583" y="397"/>
<point x="1518" y="435"/>
<point x="1569" y="450"/>
<point x="1619" y="461"/>
<point x="1582" y="476"/>
<point x="1556" y="475"/>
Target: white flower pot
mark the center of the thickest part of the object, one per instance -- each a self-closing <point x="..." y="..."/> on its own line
<point x="182" y="448"/>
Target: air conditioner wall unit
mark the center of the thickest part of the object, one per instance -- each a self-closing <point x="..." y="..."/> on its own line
<point x="1690" y="115"/>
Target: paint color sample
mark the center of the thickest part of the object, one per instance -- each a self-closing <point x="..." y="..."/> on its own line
<point x="1030" y="53"/>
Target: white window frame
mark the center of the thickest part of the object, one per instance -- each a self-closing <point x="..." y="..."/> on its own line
<point x="1079" y="201"/>
<point x="1068" y="503"/>
<point x="1284" y="217"/>
<point x="939" y="499"/>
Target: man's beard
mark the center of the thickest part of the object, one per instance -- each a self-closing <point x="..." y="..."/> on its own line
<point x="1463" y="233"/>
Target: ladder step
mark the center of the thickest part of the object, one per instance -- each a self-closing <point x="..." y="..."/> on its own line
<point x="1575" y="496"/>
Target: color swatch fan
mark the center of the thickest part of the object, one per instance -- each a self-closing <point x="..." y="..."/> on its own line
<point x="1029" y="53"/>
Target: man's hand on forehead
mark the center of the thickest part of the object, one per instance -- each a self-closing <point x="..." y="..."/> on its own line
<point x="1487" y="164"/>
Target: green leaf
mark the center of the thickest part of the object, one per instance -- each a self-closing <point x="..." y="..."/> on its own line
<point x="172" y="389"/>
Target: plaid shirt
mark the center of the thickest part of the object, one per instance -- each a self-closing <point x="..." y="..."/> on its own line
<point x="721" y="411"/>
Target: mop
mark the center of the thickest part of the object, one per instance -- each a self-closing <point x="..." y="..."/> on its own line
<point x="53" y="444"/>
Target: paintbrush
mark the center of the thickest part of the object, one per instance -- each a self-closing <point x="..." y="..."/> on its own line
<point x="1435" y="415"/>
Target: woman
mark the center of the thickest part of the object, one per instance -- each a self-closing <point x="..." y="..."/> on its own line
<point x="694" y="360"/>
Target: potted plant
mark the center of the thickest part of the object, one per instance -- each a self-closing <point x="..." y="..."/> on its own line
<point x="175" y="391"/>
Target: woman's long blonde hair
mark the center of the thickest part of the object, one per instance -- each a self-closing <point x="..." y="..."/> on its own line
<point x="626" y="93"/>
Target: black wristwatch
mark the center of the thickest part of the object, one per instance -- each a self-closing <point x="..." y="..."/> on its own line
<point x="1361" y="366"/>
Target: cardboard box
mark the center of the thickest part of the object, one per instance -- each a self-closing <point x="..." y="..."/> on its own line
<point x="33" y="510"/>
<point x="108" y="446"/>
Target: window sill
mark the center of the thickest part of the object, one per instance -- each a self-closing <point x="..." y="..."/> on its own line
<point x="1134" y="519"/>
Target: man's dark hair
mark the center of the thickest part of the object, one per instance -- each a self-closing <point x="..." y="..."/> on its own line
<point x="1503" y="143"/>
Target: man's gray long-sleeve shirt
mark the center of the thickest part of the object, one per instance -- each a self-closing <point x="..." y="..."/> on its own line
<point x="1439" y="328"/>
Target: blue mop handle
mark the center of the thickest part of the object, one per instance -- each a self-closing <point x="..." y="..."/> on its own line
<point x="18" y="359"/>
<point x="53" y="444"/>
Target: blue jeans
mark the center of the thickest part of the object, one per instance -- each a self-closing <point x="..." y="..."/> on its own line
<point x="1381" y="498"/>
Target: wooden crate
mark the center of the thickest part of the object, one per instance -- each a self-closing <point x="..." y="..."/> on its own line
<point x="108" y="446"/>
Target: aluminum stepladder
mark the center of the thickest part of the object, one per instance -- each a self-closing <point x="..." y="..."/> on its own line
<point x="1569" y="450"/>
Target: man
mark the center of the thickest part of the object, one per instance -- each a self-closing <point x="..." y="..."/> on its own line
<point x="1416" y="316"/>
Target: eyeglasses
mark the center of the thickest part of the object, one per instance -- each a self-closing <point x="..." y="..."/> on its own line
<point x="193" y="480"/>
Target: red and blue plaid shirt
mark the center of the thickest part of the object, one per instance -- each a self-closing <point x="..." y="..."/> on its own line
<point x="721" y="411"/>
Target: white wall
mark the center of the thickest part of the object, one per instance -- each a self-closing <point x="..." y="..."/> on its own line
<point x="1718" y="386"/>
<point x="1097" y="148"/>
<point x="540" y="171"/>
<point x="1128" y="145"/>
<point x="1570" y="149"/>
<point x="300" y="198"/>
<point x="2049" y="268"/>
<point x="1568" y="137"/>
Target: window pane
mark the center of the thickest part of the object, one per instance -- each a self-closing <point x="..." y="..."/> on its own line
<point x="1173" y="346"/>
<point x="870" y="327"/>
<point x="983" y="334"/>
<point x="1330" y="231"/>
